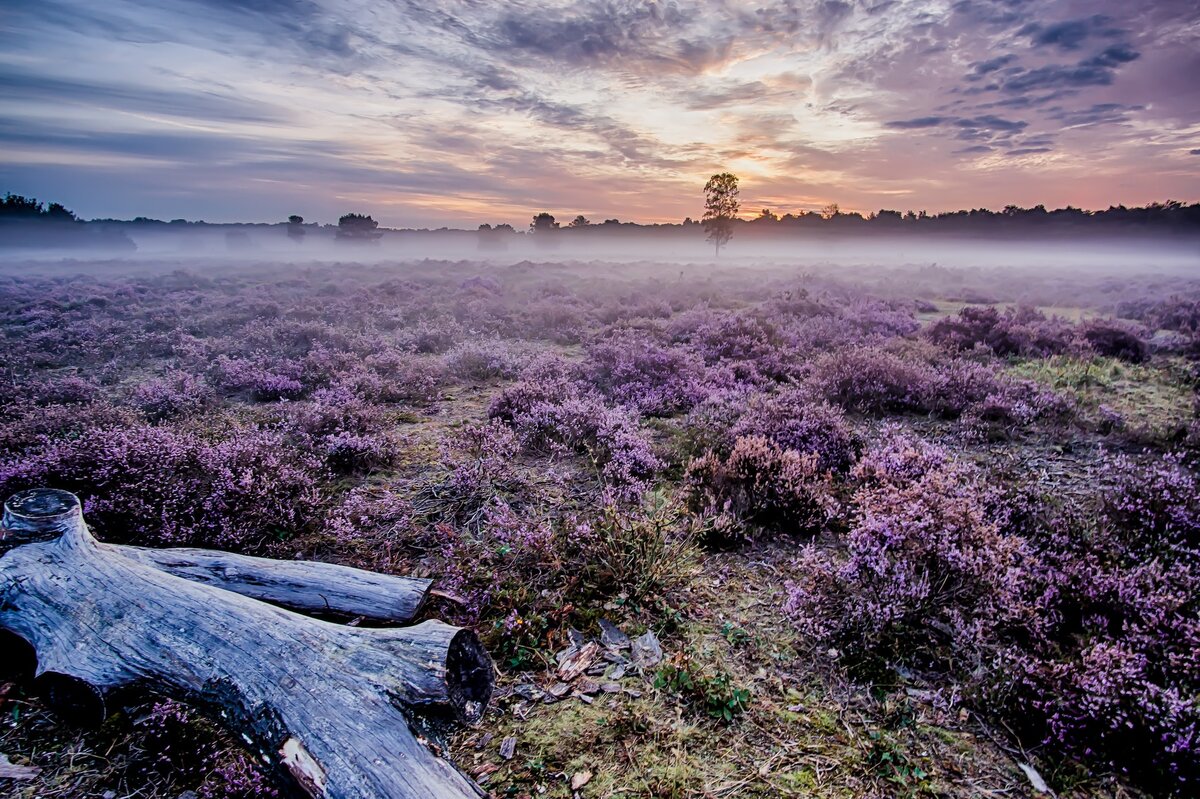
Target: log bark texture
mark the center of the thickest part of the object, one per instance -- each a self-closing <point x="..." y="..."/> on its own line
<point x="305" y="586"/>
<point x="339" y="709"/>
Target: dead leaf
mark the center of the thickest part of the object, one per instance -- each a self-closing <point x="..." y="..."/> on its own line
<point x="11" y="771"/>
<point x="580" y="779"/>
<point x="577" y="662"/>
<point x="508" y="747"/>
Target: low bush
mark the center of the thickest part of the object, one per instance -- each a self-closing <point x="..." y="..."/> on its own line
<point x="165" y="485"/>
<point x="1079" y="630"/>
<point x="762" y="485"/>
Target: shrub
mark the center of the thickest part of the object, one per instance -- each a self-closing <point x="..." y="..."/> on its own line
<point x="1022" y="331"/>
<point x="545" y="380"/>
<point x="636" y="553"/>
<point x="635" y="371"/>
<point x="172" y="396"/>
<point x="1155" y="506"/>
<point x="481" y="360"/>
<point x="610" y="437"/>
<point x="925" y="575"/>
<point x="162" y="485"/>
<point x="1113" y="340"/>
<point x="261" y="383"/>
<point x="1078" y="630"/>
<point x="870" y="380"/>
<point x="793" y="420"/>
<point x="762" y="484"/>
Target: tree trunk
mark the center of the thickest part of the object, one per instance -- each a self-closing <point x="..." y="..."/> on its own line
<point x="329" y="705"/>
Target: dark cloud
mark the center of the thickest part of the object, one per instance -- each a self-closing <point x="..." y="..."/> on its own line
<point x="918" y="122"/>
<point x="1096" y="114"/>
<point x="1113" y="56"/>
<point x="1070" y="34"/>
<point x="1058" y="76"/>
<point x="992" y="123"/>
<point x="604" y="33"/>
<point x="981" y="68"/>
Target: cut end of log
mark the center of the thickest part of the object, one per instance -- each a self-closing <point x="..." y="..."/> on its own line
<point x="468" y="676"/>
<point x="40" y="513"/>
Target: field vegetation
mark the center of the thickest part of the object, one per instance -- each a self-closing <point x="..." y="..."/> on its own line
<point x="897" y="532"/>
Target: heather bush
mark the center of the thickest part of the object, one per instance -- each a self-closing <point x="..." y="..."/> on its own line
<point x="506" y="571"/>
<point x="926" y="576"/>
<point x="1021" y="331"/>
<point x="63" y="390"/>
<point x="1114" y="340"/>
<point x="482" y="360"/>
<point x="172" y="396"/>
<point x="764" y="485"/>
<point x="544" y="380"/>
<point x="478" y="469"/>
<point x="393" y="377"/>
<point x="166" y="485"/>
<point x="610" y="437"/>
<point x="259" y="381"/>
<point x="1079" y="629"/>
<point x="637" y="372"/>
<point x="870" y="380"/>
<point x="1112" y="674"/>
<point x="1155" y="506"/>
<point x="217" y="769"/>
<point x="794" y="420"/>
<point x="431" y="337"/>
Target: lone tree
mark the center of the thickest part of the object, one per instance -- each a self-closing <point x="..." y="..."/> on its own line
<point x="358" y="228"/>
<point x="721" y="208"/>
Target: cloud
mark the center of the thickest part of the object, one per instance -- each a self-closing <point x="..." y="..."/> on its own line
<point x="1070" y="34"/>
<point x="24" y="87"/>
<point x="918" y="122"/>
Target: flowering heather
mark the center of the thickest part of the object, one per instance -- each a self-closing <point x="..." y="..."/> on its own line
<point x="609" y="436"/>
<point x="262" y="382"/>
<point x="164" y="485"/>
<point x="482" y="360"/>
<point x="924" y="567"/>
<point x="636" y="371"/>
<point x="1082" y="636"/>
<point x="794" y="420"/>
<point x="174" y="395"/>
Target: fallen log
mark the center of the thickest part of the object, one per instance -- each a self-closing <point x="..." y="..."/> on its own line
<point x="306" y="586"/>
<point x="341" y="711"/>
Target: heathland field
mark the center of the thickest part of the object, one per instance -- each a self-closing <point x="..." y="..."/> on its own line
<point x="906" y="531"/>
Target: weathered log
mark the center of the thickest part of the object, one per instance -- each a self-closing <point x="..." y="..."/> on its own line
<point x="306" y="586"/>
<point x="327" y="704"/>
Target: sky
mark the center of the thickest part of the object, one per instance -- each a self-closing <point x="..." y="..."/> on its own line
<point x="430" y="113"/>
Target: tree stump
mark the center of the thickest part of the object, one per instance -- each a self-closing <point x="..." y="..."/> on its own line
<point x="341" y="711"/>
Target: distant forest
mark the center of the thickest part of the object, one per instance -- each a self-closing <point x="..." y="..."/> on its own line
<point x="1159" y="217"/>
